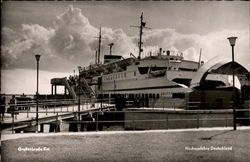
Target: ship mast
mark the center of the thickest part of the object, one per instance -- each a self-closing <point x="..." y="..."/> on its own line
<point x="142" y="26"/>
<point x="140" y="36"/>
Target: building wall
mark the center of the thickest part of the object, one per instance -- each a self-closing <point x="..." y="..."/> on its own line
<point x="209" y="99"/>
<point x="146" y="120"/>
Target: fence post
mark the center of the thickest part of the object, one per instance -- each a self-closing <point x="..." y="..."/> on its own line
<point x="46" y="110"/>
<point x="248" y="115"/>
<point x="96" y="121"/>
<point x="54" y="109"/>
<point x="133" y="122"/>
<point x="12" y="114"/>
<point x="67" y="106"/>
<point x="166" y="120"/>
<point x="226" y="120"/>
<point x="56" y="122"/>
<point x="198" y="120"/>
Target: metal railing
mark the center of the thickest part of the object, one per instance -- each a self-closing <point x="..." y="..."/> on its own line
<point x="164" y="116"/>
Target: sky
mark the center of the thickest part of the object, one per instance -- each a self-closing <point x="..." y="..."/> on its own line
<point x="64" y="33"/>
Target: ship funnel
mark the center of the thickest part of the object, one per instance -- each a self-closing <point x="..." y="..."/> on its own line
<point x="168" y="52"/>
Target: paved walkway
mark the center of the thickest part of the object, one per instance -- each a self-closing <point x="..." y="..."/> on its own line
<point x="26" y="135"/>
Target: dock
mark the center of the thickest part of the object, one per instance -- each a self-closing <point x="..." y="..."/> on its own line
<point x="25" y="120"/>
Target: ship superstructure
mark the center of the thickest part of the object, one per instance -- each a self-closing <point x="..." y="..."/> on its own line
<point x="160" y="75"/>
<point x="165" y="74"/>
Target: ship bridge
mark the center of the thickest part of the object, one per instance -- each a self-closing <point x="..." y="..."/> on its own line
<point x="223" y="67"/>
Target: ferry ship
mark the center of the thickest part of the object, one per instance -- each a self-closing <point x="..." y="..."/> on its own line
<point x="167" y="74"/>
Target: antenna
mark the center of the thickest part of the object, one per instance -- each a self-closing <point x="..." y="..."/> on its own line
<point x="142" y="25"/>
<point x="200" y="59"/>
<point x="110" y="47"/>
<point x="99" y="45"/>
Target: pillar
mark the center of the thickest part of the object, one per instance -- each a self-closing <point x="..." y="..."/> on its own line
<point x="42" y="128"/>
<point x="73" y="127"/>
<point x="51" y="128"/>
<point x="52" y="89"/>
<point x="55" y="89"/>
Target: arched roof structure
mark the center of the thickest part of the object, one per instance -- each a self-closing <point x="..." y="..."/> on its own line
<point x="221" y="66"/>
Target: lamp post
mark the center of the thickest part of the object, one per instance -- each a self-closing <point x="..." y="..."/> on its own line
<point x="37" y="76"/>
<point x="79" y="95"/>
<point x="232" y="41"/>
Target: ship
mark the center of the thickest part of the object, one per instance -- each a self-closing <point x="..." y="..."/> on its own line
<point x="166" y="74"/>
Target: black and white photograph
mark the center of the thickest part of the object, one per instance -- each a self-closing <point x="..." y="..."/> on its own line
<point x="134" y="81"/>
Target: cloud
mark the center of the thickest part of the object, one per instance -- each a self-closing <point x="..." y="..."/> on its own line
<point x="72" y="41"/>
<point x="212" y="44"/>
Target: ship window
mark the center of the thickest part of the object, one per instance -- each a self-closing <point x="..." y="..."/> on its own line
<point x="184" y="81"/>
<point x="157" y="68"/>
<point x="157" y="95"/>
<point x="143" y="70"/>
<point x="178" y="95"/>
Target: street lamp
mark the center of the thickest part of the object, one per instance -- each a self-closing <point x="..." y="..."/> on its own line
<point x="79" y="94"/>
<point x="232" y="41"/>
<point x="37" y="72"/>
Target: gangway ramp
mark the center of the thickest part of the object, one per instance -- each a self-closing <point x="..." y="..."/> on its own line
<point x="84" y="84"/>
